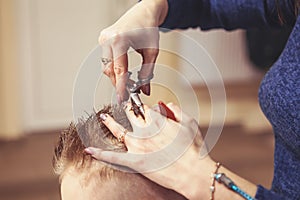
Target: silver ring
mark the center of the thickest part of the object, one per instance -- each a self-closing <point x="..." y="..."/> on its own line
<point x="121" y="137"/>
<point x="105" y="61"/>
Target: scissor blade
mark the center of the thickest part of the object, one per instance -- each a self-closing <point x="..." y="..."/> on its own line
<point x="137" y="105"/>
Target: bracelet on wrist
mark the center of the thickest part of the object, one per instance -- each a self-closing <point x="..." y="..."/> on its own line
<point x="223" y="179"/>
<point x="212" y="187"/>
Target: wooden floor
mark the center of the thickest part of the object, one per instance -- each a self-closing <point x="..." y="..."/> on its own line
<point x="25" y="169"/>
<point x="26" y="172"/>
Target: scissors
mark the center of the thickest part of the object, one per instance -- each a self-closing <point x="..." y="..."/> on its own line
<point x="134" y="89"/>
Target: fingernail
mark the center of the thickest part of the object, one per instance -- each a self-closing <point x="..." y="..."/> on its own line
<point x="89" y="151"/>
<point x="103" y="116"/>
<point x="146" y="89"/>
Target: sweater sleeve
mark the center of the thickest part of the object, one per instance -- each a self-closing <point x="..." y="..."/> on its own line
<point x="227" y="14"/>
<point x="264" y="194"/>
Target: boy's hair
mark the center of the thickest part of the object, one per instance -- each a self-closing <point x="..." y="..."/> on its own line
<point x="69" y="152"/>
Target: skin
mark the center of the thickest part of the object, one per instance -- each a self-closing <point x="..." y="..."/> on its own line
<point x="140" y="34"/>
<point x="76" y="186"/>
<point x="195" y="178"/>
<point x="83" y="184"/>
<point x="193" y="175"/>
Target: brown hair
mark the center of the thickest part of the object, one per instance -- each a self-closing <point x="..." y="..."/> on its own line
<point x="280" y="14"/>
<point x="69" y="152"/>
<point x="90" y="132"/>
<point x="297" y="6"/>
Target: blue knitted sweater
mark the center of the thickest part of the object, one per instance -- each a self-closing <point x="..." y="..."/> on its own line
<point x="279" y="93"/>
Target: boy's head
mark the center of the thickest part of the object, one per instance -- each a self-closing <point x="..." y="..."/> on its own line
<point x="82" y="177"/>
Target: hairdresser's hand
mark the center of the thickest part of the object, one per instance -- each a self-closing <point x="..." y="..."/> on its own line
<point x="137" y="28"/>
<point x="165" y="151"/>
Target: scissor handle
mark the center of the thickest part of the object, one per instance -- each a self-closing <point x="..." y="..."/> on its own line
<point x="165" y="111"/>
<point x="135" y="87"/>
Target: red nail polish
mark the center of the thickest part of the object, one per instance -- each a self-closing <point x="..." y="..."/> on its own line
<point x="165" y="111"/>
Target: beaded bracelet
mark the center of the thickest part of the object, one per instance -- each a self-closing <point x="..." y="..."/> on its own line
<point x="222" y="178"/>
<point x="213" y="181"/>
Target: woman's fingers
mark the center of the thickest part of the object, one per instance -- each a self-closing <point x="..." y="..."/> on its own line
<point x="155" y="134"/>
<point x="107" y="63"/>
<point x="146" y="73"/>
<point x="110" y="156"/>
<point x="149" y="49"/>
<point x="120" y="46"/>
<point x="145" y="129"/>
<point x="121" y="75"/>
<point x="116" y="129"/>
<point x="150" y="116"/>
<point x="115" y="46"/>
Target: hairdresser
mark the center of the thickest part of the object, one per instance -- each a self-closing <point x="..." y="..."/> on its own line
<point x="279" y="94"/>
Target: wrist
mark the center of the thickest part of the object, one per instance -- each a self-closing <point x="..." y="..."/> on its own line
<point x="198" y="179"/>
<point x="159" y="8"/>
<point x="223" y="192"/>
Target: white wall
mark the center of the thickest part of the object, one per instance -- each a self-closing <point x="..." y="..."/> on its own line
<point x="55" y="36"/>
<point x="226" y="49"/>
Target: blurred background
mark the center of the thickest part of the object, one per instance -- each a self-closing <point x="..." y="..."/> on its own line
<point x="42" y="45"/>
